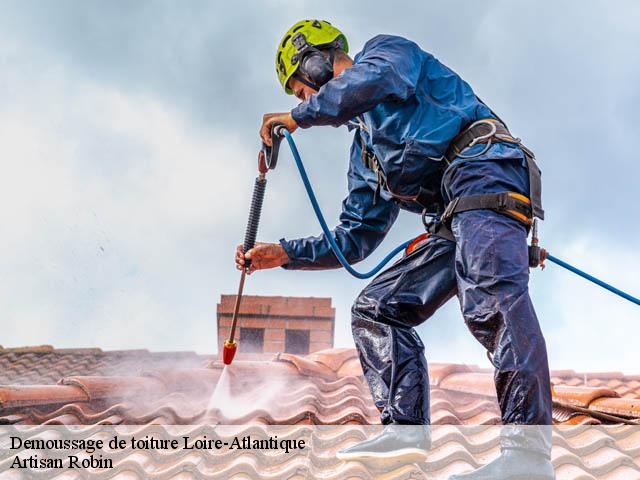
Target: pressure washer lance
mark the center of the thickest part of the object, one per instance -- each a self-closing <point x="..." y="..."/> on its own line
<point x="267" y="160"/>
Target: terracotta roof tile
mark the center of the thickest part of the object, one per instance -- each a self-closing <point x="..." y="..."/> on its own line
<point x="28" y="349"/>
<point x="325" y="387"/>
<point x="629" y="407"/>
<point x="625" y="385"/>
<point x="581" y="420"/>
<point x="307" y="366"/>
<point x="577" y="454"/>
<point x="470" y="382"/>
<point x="351" y="368"/>
<point x="255" y="368"/>
<point x="438" y="371"/>
<point x="185" y="379"/>
<point x="334" y="358"/>
<point x="581" y="396"/>
<point x="46" y="365"/>
<point x="12" y="396"/>
<point x="98" y="388"/>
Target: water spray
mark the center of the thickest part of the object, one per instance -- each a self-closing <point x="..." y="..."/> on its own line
<point x="267" y="160"/>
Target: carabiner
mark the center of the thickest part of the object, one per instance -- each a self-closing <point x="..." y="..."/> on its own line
<point x="487" y="137"/>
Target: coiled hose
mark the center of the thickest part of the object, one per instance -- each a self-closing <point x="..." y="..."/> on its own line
<point x="343" y="261"/>
<point x="323" y="224"/>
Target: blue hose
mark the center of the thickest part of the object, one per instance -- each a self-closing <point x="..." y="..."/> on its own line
<point x="336" y="250"/>
<point x="325" y="228"/>
<point x="593" y="279"/>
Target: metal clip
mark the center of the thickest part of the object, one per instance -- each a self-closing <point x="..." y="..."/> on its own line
<point x="448" y="212"/>
<point x="492" y="131"/>
<point x="488" y="136"/>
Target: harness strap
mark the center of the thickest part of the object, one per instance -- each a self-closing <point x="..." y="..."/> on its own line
<point x="486" y="131"/>
<point x="509" y="203"/>
<point x="535" y="183"/>
<point x="441" y="230"/>
<point x="371" y="162"/>
<point x="512" y="204"/>
<point x="430" y="201"/>
<point x="483" y="131"/>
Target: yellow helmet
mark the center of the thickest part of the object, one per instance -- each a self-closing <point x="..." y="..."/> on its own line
<point x="315" y="33"/>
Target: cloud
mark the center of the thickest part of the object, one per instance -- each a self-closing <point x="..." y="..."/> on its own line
<point x="588" y="328"/>
<point x="111" y="200"/>
<point x="128" y="138"/>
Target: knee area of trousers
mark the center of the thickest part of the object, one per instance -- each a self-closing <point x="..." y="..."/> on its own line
<point x="367" y="308"/>
<point x="362" y="308"/>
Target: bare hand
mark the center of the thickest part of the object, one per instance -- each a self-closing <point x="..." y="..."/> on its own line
<point x="270" y="118"/>
<point x="263" y="255"/>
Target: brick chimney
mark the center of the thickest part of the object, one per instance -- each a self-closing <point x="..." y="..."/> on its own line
<point x="268" y="325"/>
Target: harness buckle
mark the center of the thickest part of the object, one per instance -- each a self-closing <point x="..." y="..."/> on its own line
<point x="448" y="212"/>
<point x="501" y="201"/>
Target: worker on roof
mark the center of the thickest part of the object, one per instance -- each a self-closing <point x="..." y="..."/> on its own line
<point x="423" y="142"/>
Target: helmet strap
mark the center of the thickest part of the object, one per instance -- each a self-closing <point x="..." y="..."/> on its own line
<point x="301" y="79"/>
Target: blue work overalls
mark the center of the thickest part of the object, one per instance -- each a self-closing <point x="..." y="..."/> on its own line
<point x="410" y="107"/>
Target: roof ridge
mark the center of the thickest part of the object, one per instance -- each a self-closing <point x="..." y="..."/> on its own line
<point x="99" y="351"/>
<point x="27" y="349"/>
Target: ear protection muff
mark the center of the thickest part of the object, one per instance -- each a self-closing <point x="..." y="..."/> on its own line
<point x="313" y="63"/>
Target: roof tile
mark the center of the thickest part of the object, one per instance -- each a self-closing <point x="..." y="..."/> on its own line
<point x="629" y="407"/>
<point x="28" y="395"/>
<point x="581" y="396"/>
<point x="352" y="368"/>
<point x="334" y="358"/>
<point x="114" y="387"/>
<point x="307" y="366"/>
<point x="325" y="387"/>
<point x="438" y="371"/>
<point x="471" y="382"/>
<point x="185" y="379"/>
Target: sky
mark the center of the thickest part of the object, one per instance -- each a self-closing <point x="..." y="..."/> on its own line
<point x="128" y="144"/>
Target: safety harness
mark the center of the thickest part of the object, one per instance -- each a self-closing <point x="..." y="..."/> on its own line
<point x="370" y="159"/>
<point x="486" y="131"/>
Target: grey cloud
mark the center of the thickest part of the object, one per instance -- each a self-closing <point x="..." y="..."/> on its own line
<point x="561" y="74"/>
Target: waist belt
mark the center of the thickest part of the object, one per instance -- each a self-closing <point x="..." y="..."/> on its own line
<point x="512" y="204"/>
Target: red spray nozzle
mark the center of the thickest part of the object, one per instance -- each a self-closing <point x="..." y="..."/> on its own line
<point x="229" y="351"/>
